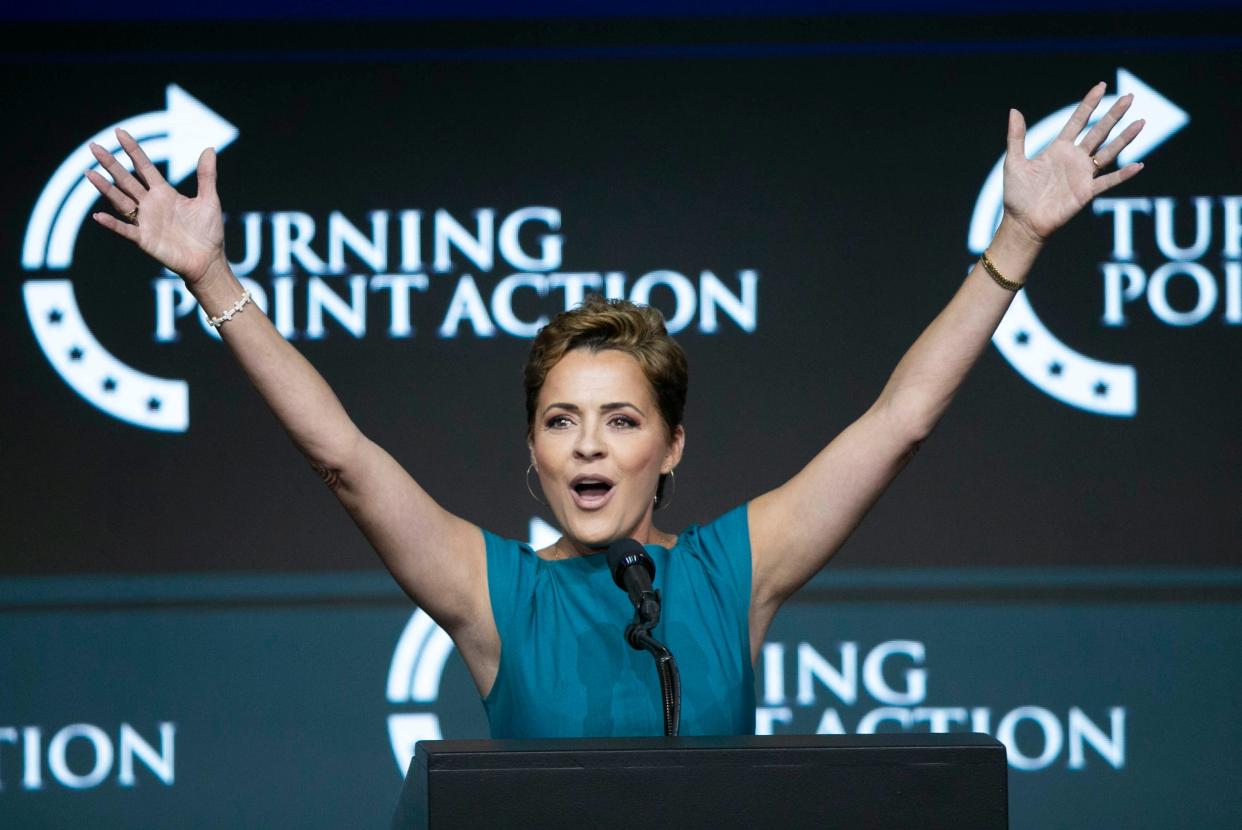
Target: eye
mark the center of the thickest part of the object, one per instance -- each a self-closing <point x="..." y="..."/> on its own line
<point x="558" y="422"/>
<point x="622" y="422"/>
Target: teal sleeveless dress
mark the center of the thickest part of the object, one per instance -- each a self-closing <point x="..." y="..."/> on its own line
<point x="565" y="668"/>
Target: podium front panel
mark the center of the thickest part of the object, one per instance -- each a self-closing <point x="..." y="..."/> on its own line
<point x="896" y="782"/>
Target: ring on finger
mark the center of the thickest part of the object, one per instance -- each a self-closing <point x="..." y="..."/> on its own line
<point x="131" y="218"/>
<point x="1099" y="168"/>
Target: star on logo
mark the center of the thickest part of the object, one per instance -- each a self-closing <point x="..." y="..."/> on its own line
<point x="75" y="353"/>
<point x="1055" y="368"/>
<point x="54" y="315"/>
<point x="1021" y="338"/>
<point x="153" y="404"/>
<point x="109" y="385"/>
<point x="1101" y="388"/>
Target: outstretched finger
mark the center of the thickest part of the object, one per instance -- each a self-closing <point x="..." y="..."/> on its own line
<point x="119" y="201"/>
<point x="207" y="173"/>
<point x="1082" y="114"/>
<point x="1109" y="152"/>
<point x="1015" y="139"/>
<point x="1098" y="134"/>
<point x="115" y="225"/>
<point x="121" y="177"/>
<point x="1111" y="180"/>
<point x="150" y="174"/>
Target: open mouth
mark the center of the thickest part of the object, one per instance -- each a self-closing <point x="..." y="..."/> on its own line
<point x="591" y="492"/>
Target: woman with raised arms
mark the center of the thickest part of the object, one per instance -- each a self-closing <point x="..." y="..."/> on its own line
<point x="605" y="389"/>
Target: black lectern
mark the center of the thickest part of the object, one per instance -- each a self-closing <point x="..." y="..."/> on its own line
<point x="895" y="782"/>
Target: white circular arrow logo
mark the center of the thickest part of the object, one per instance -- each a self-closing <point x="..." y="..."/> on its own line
<point x="176" y="135"/>
<point x="1023" y="340"/>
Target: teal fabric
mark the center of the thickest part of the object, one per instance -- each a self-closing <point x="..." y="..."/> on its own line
<point x="566" y="671"/>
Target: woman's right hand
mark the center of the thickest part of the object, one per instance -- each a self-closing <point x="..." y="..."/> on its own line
<point x="184" y="235"/>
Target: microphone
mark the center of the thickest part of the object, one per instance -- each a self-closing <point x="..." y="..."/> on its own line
<point x="633" y="570"/>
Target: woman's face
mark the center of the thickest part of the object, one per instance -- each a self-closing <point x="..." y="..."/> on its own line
<point x="599" y="445"/>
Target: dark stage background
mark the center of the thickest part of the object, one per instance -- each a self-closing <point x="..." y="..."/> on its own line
<point x="181" y="600"/>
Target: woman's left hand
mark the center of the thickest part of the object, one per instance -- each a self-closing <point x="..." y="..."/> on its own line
<point x="1043" y="193"/>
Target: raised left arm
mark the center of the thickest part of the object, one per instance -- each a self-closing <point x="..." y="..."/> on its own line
<point x="796" y="528"/>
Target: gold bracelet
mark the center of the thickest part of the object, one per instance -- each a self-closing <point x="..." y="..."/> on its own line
<point x="1008" y="285"/>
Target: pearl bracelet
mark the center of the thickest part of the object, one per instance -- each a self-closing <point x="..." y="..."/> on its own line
<point x="217" y="322"/>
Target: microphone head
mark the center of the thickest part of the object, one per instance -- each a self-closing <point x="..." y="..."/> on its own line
<point x="626" y="552"/>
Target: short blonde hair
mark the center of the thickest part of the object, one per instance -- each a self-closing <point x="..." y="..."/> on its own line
<point x="637" y="330"/>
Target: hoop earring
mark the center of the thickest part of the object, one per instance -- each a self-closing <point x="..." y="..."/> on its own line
<point x="531" y="490"/>
<point x="663" y="502"/>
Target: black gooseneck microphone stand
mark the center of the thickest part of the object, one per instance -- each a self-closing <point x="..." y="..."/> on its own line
<point x="633" y="570"/>
<point x="638" y="635"/>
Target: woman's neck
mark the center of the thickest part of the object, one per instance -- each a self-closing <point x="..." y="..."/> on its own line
<point x="567" y="548"/>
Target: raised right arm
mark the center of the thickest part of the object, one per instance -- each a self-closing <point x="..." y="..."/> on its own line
<point x="436" y="557"/>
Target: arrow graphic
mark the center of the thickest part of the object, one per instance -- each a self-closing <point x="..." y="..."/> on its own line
<point x="1022" y="338"/>
<point x="176" y="135"/>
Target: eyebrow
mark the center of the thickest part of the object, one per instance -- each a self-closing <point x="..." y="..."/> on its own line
<point x="608" y="407"/>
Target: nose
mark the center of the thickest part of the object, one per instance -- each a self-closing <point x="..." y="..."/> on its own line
<point x="589" y="444"/>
